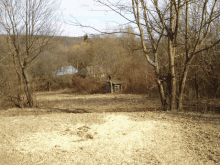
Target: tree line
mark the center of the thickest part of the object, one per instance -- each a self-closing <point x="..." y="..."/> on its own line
<point x="28" y="29"/>
<point x="176" y="35"/>
<point x="171" y="47"/>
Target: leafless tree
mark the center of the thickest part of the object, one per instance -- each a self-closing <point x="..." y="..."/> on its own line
<point x="183" y="25"/>
<point x="30" y="26"/>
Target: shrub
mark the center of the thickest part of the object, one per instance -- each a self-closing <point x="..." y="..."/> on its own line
<point x="87" y="85"/>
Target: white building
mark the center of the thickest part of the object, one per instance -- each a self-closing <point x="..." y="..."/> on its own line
<point x="66" y="70"/>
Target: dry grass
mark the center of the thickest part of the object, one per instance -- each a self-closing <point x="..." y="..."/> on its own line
<point x="45" y="135"/>
<point x="97" y="102"/>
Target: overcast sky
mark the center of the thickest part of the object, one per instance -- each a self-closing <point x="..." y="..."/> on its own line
<point x="88" y="13"/>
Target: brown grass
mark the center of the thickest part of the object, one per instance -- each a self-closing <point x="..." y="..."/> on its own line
<point x="97" y="102"/>
<point x="48" y="135"/>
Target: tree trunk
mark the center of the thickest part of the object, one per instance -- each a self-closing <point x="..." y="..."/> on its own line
<point x="186" y="67"/>
<point x="172" y="74"/>
<point x="162" y="95"/>
<point x="19" y="95"/>
<point x="27" y="88"/>
<point x="19" y="92"/>
<point x="171" y="49"/>
<point x="112" y="91"/>
<point x="173" y="81"/>
<point x="182" y="87"/>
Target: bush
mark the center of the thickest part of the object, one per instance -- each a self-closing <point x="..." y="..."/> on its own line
<point x="75" y="83"/>
<point x="87" y="85"/>
<point x="52" y="83"/>
<point x="11" y="90"/>
<point x="138" y="78"/>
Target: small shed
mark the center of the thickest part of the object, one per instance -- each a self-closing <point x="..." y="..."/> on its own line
<point x="113" y="86"/>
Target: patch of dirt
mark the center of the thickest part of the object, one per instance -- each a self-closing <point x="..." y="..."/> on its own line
<point x="123" y="138"/>
<point x="50" y="136"/>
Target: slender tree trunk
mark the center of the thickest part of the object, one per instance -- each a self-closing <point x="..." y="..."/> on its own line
<point x="173" y="78"/>
<point x="19" y="94"/>
<point x="111" y="86"/>
<point x="160" y="84"/>
<point x="171" y="49"/>
<point x="162" y="94"/>
<point x="186" y="67"/>
<point x="27" y="88"/>
<point x="182" y="87"/>
<point x="172" y="74"/>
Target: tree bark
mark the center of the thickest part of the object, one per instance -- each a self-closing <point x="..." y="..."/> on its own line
<point x="27" y="88"/>
<point x="19" y="93"/>
<point x="173" y="77"/>
<point x="162" y="95"/>
<point x="171" y="49"/>
<point x="182" y="87"/>
<point x="112" y="91"/>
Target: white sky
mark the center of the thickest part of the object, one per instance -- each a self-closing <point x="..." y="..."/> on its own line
<point x="88" y="13"/>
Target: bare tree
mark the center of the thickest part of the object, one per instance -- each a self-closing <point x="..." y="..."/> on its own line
<point x="30" y="26"/>
<point x="198" y="36"/>
<point x="183" y="25"/>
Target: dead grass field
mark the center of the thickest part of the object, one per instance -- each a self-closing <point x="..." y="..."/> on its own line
<point x="106" y="129"/>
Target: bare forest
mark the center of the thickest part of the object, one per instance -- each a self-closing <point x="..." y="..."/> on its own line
<point x="146" y="92"/>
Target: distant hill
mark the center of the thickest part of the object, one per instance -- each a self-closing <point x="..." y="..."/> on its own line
<point x="71" y="40"/>
<point x="66" y="40"/>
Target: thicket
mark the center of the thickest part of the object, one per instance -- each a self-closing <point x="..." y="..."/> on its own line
<point x="28" y="30"/>
<point x="171" y="31"/>
<point x="118" y="56"/>
<point x="102" y="56"/>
